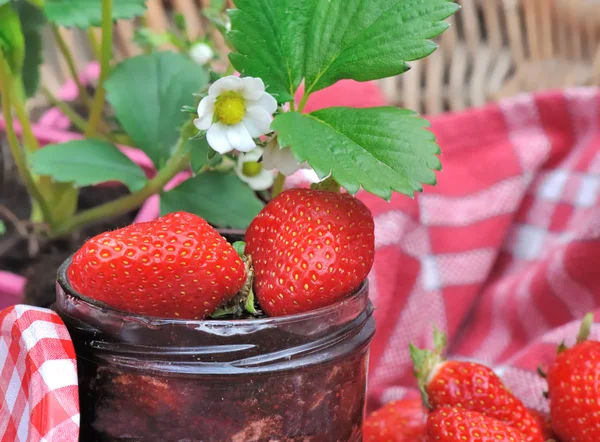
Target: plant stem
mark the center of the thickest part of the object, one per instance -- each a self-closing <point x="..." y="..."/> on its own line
<point x="329" y="184"/>
<point x="15" y="147"/>
<point x="178" y="162"/>
<point x="77" y="121"/>
<point x="66" y="53"/>
<point x="106" y="51"/>
<point x="303" y="101"/>
<point x="94" y="43"/>
<point x="278" y="185"/>
<point x="30" y="141"/>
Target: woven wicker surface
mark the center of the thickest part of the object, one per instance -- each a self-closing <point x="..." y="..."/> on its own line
<point x="495" y="48"/>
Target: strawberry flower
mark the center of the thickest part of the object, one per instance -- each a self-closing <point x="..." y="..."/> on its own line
<point x="201" y="53"/>
<point x="252" y="172"/>
<point x="281" y="159"/>
<point x="236" y="111"/>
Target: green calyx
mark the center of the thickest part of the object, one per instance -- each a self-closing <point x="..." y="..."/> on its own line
<point x="244" y="301"/>
<point x="584" y="332"/>
<point x="329" y="184"/>
<point x="586" y="328"/>
<point x="425" y="361"/>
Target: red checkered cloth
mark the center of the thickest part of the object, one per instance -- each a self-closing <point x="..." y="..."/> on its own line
<point x="503" y="252"/>
<point x="38" y="377"/>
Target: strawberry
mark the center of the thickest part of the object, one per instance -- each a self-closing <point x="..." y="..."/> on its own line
<point x="310" y="248"/>
<point x="399" y="421"/>
<point x="574" y="390"/>
<point x="177" y="266"/>
<point x="470" y="386"/>
<point x="452" y="424"/>
<point x="544" y="423"/>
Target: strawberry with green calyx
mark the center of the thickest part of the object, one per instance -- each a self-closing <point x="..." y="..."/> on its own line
<point x="470" y="386"/>
<point x="176" y="266"/>
<point x="310" y="248"/>
<point x="243" y="302"/>
<point x="453" y="424"/>
<point x="399" y="421"/>
<point x="574" y="389"/>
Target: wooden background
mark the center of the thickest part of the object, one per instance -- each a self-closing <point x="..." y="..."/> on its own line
<point x="495" y="48"/>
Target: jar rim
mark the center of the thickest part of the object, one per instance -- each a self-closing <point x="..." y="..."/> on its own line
<point x="66" y="286"/>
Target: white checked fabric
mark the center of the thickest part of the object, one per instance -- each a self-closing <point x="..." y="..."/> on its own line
<point x="38" y="377"/>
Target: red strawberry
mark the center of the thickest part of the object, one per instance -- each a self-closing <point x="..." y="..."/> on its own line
<point x="399" y="421"/>
<point x="451" y="424"/>
<point x="544" y="423"/>
<point x="177" y="266"/>
<point x="574" y="389"/>
<point x="471" y="386"/>
<point x="309" y="248"/>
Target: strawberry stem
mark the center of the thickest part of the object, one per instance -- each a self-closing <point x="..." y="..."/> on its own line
<point x="425" y="362"/>
<point x="178" y="162"/>
<point x="329" y="184"/>
<point x="278" y="185"/>
<point x="586" y="327"/>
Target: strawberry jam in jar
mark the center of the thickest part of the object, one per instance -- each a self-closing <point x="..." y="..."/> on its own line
<point x="299" y="378"/>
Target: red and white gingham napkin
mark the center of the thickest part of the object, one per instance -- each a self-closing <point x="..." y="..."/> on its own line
<point x="38" y="377"/>
<point x="503" y="252"/>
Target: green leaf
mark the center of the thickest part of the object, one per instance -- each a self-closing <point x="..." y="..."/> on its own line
<point x="33" y="61"/>
<point x="325" y="41"/>
<point x="370" y="39"/>
<point x="269" y="38"/>
<point x="32" y="17"/>
<point x="2" y="228"/>
<point x="381" y="148"/>
<point x="199" y="152"/>
<point x="239" y="247"/>
<point x="12" y="41"/>
<point x="148" y="92"/>
<point x="87" y="162"/>
<point x="221" y="199"/>
<point x="32" y="21"/>
<point x="249" y="304"/>
<point x="86" y="13"/>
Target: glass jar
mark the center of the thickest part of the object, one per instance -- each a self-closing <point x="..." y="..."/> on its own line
<point x="298" y="378"/>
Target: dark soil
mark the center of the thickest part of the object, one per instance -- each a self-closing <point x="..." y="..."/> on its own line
<point x="31" y="255"/>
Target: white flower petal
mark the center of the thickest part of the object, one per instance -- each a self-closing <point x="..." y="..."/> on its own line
<point x="253" y="155"/>
<point x="204" y="122"/>
<point x="260" y="118"/>
<point x="229" y="83"/>
<point x="311" y="176"/>
<point x="201" y="53"/>
<point x="266" y="101"/>
<point x="252" y="128"/>
<point x="217" y="138"/>
<point x="254" y="88"/>
<point x="262" y="181"/>
<point x="207" y="104"/>
<point x="239" y="138"/>
<point x="281" y="159"/>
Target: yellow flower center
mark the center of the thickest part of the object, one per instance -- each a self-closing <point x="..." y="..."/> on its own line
<point x="251" y="168"/>
<point x="230" y="108"/>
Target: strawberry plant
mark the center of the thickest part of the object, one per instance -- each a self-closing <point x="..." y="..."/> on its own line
<point x="239" y="125"/>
